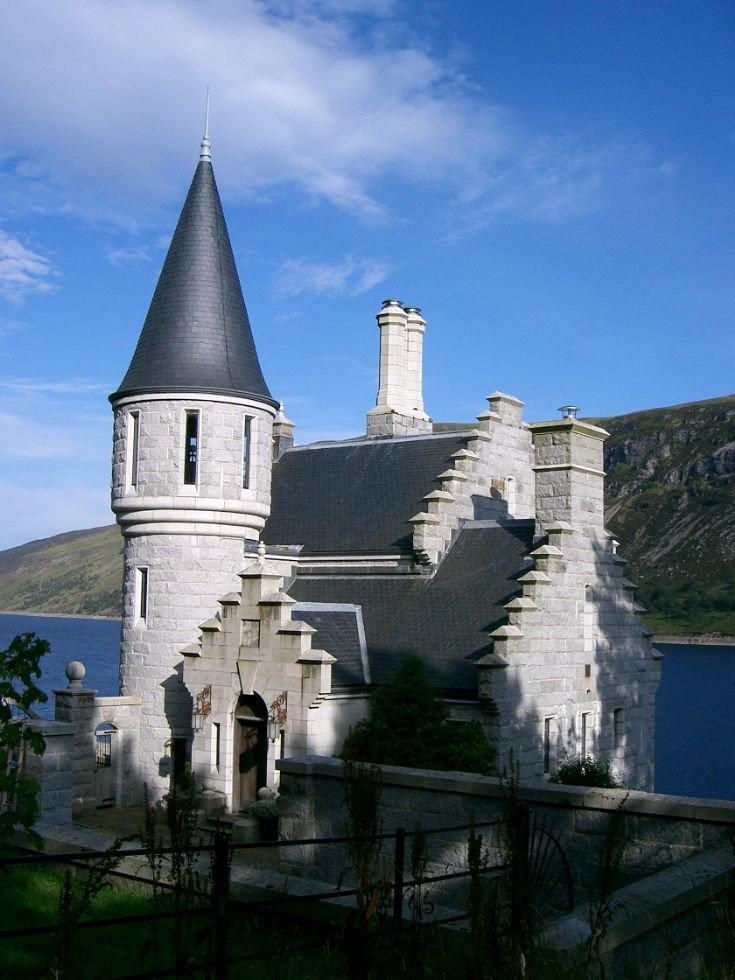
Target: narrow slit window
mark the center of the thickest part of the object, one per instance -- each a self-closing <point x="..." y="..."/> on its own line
<point x="133" y="438"/>
<point x="584" y="746"/>
<point x="618" y="727"/>
<point x="547" y="745"/>
<point x="246" y="437"/>
<point x="215" y="745"/>
<point x="191" y="448"/>
<point x="143" y="594"/>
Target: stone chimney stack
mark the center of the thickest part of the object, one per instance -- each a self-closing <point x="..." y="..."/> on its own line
<point x="415" y="327"/>
<point x="399" y="408"/>
<point x="570" y="479"/>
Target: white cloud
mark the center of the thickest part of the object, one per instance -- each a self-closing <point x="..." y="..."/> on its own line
<point x="39" y="386"/>
<point x="310" y="95"/>
<point x="8" y="326"/>
<point x="351" y="276"/>
<point x="32" y="511"/>
<point x="76" y="439"/>
<point x="22" y="271"/>
<point x="131" y="255"/>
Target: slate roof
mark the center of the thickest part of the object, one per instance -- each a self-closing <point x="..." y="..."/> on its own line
<point x="339" y="628"/>
<point x="444" y="618"/>
<point x="355" y="497"/>
<point x="197" y="334"/>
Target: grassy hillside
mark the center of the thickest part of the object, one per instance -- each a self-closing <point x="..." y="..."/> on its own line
<point x="670" y="501"/>
<point x="79" y="572"/>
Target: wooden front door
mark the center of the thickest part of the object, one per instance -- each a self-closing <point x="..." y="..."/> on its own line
<point x="248" y="761"/>
<point x="250" y="750"/>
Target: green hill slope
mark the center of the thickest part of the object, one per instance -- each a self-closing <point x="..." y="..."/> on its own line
<point x="670" y="501"/>
<point x="79" y="572"/>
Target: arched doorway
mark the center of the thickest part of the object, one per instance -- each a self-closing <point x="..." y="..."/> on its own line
<point x="250" y="746"/>
<point x="104" y="764"/>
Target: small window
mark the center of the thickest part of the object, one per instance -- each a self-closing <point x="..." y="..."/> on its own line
<point x="191" y="448"/>
<point x="246" y="433"/>
<point x="618" y="728"/>
<point x="133" y="437"/>
<point x="584" y="742"/>
<point x="215" y="744"/>
<point x="142" y="597"/>
<point x="510" y="495"/>
<point x="550" y="745"/>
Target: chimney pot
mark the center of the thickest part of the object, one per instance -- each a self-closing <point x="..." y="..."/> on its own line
<point x="568" y="411"/>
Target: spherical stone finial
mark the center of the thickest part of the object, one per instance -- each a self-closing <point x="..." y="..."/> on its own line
<point x="75" y="671"/>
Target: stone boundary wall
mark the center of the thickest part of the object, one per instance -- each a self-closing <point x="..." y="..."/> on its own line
<point x="660" y="830"/>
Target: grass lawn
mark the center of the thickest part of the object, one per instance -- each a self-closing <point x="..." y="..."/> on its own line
<point x="30" y="897"/>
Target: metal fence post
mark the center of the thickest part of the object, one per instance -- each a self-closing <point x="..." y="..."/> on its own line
<point x="398" y="862"/>
<point x="220" y="897"/>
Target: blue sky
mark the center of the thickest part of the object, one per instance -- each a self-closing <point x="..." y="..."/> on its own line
<point x="551" y="182"/>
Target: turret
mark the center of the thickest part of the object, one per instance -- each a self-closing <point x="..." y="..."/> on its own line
<point x="191" y="468"/>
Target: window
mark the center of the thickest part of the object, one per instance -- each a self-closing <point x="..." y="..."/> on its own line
<point x="547" y="745"/>
<point x="142" y="593"/>
<point x="191" y="448"/>
<point x="246" y="453"/>
<point x="215" y="744"/>
<point x="618" y="728"/>
<point x="133" y="437"/>
<point x="510" y="495"/>
<point x="584" y="743"/>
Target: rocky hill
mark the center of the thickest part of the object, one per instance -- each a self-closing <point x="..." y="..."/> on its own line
<point x="670" y="501"/>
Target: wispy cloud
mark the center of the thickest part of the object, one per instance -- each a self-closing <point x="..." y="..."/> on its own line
<point x="38" y="386"/>
<point x="79" y="440"/>
<point x="131" y="255"/>
<point x="31" y="512"/>
<point x="351" y="276"/>
<point x="551" y="181"/>
<point x="9" y="326"/>
<point x="22" y="270"/>
<point x="334" y="98"/>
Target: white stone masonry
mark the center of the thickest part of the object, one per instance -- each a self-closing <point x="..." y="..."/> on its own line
<point x="492" y="478"/>
<point x="255" y="647"/>
<point x="399" y="408"/>
<point x="573" y="672"/>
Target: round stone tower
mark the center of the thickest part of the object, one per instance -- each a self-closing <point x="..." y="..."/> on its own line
<point x="191" y="472"/>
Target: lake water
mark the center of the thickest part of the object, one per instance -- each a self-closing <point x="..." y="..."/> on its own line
<point x="695" y="706"/>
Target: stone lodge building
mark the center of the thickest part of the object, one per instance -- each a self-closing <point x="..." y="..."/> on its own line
<point x="269" y="586"/>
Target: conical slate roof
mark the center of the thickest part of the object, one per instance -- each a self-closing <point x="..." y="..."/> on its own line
<point x="196" y="337"/>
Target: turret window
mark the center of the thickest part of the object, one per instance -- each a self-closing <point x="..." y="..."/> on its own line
<point x="142" y="594"/>
<point x="133" y="438"/>
<point x="246" y="437"/>
<point x="191" y="448"/>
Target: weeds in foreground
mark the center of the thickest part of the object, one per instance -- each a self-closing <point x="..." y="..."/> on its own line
<point x="75" y="903"/>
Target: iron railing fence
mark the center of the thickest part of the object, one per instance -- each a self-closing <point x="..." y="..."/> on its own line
<point x="540" y="868"/>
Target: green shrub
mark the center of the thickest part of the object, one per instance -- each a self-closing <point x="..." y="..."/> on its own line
<point x="408" y="725"/>
<point x="585" y="771"/>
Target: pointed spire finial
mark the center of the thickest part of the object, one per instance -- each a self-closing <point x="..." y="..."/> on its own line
<point x="206" y="152"/>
